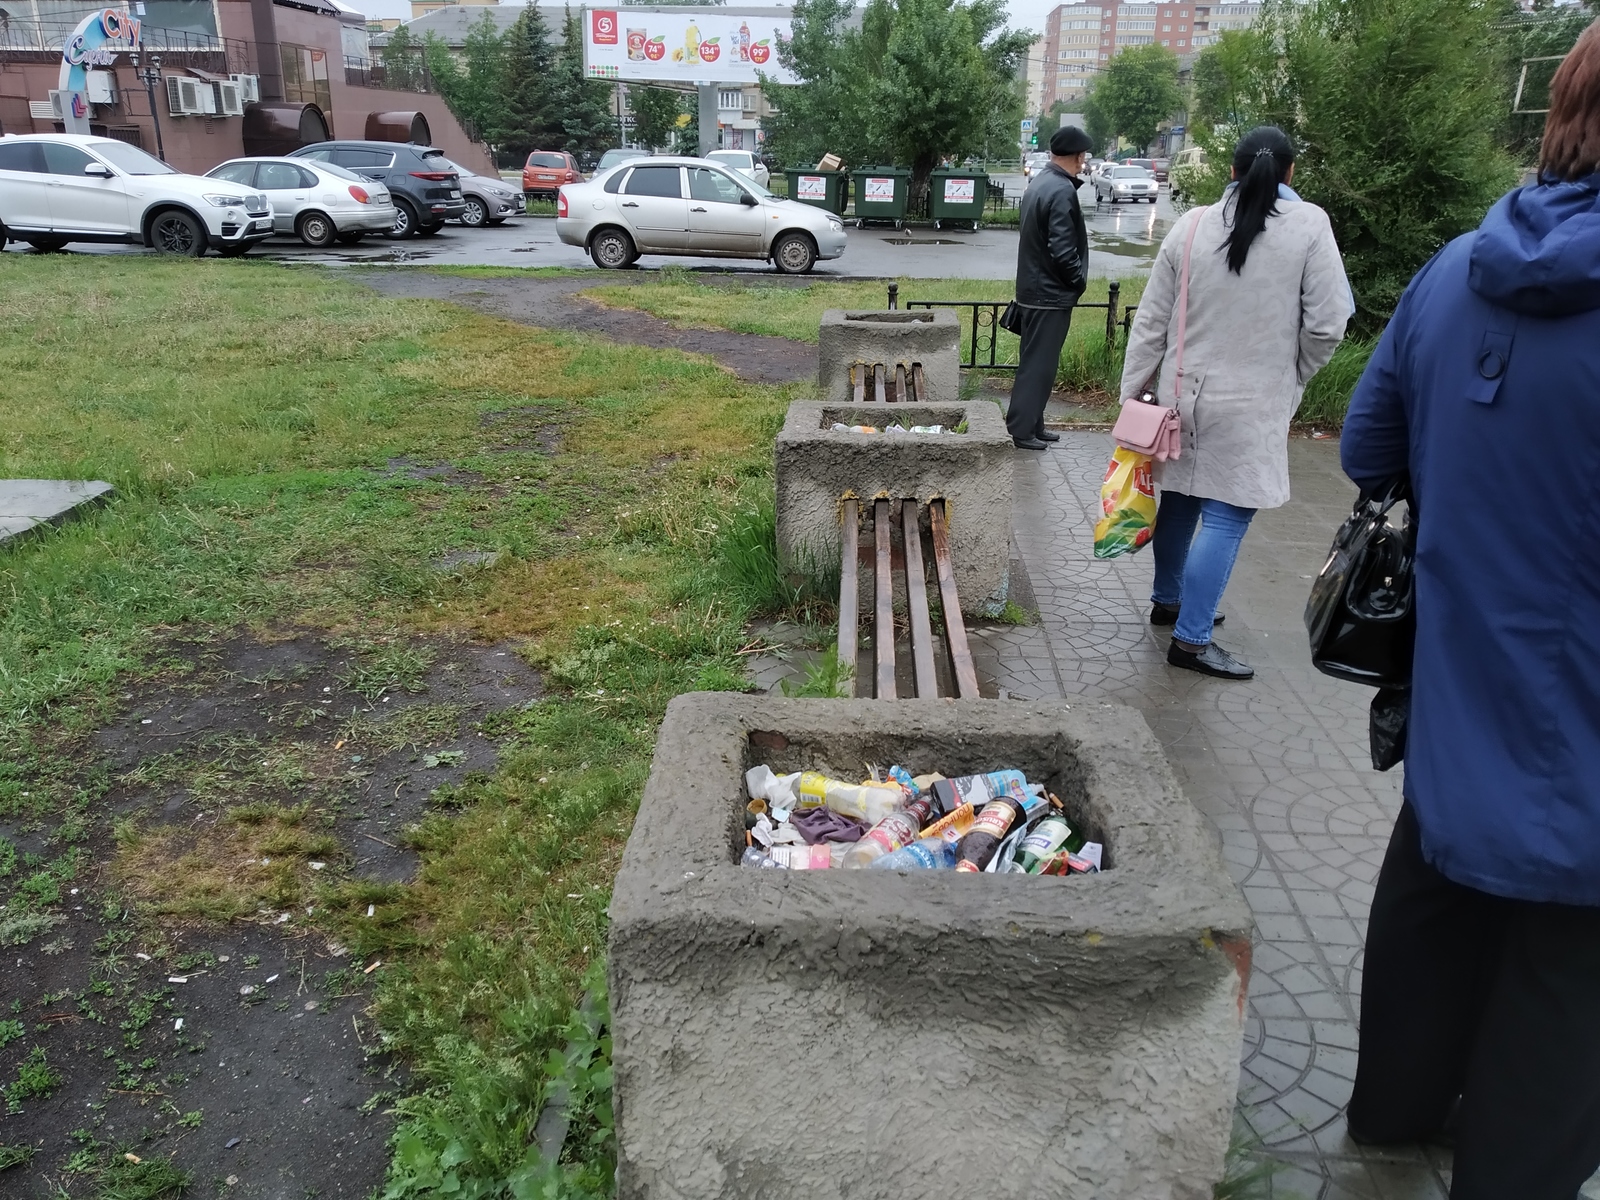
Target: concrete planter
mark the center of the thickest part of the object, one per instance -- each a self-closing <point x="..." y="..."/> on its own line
<point x="970" y="471"/>
<point x="931" y="337"/>
<point x="828" y="1034"/>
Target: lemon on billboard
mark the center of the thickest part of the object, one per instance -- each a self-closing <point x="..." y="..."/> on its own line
<point x="686" y="45"/>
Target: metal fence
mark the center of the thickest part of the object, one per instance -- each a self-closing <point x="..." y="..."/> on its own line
<point x="398" y="70"/>
<point x="981" y="324"/>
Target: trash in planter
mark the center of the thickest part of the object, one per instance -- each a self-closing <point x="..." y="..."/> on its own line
<point x="841" y="427"/>
<point x="997" y="823"/>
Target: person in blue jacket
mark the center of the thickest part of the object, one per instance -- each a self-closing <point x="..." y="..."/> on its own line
<point x="1480" y="1006"/>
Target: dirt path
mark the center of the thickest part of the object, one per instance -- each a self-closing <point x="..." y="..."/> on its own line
<point x="554" y="303"/>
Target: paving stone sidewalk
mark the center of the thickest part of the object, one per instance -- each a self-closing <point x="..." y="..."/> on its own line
<point x="1279" y="765"/>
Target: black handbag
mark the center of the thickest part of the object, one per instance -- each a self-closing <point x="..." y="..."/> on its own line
<point x="1010" y="319"/>
<point x="1361" y="615"/>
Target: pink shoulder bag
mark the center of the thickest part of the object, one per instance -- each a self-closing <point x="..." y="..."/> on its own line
<point x="1144" y="426"/>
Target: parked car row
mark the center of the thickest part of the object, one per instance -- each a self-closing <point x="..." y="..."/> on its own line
<point x="60" y="188"/>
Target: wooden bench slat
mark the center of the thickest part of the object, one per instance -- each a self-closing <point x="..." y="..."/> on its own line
<point x="849" y="617"/>
<point x="900" y="382"/>
<point x="955" y="627"/>
<point x="883" y="625"/>
<point x="858" y="382"/>
<point x="919" y="384"/>
<point x="917" y="602"/>
<point x="880" y="382"/>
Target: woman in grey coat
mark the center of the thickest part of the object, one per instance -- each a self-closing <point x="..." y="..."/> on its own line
<point x="1267" y="305"/>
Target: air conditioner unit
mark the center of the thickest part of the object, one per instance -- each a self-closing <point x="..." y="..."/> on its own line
<point x="102" y="87"/>
<point x="206" y="95"/>
<point x="249" y="87"/>
<point x="184" y="96"/>
<point x="43" y="110"/>
<point x="229" y="102"/>
<point x="58" y="104"/>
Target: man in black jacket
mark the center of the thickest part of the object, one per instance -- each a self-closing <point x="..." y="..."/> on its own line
<point x="1052" y="270"/>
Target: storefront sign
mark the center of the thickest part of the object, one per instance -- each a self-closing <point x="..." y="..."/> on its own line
<point x="96" y="42"/>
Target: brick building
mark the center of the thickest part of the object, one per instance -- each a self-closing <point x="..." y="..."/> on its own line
<point x="1081" y="38"/>
<point x="231" y="77"/>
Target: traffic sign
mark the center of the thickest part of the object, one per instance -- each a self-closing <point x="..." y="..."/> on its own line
<point x="1027" y="124"/>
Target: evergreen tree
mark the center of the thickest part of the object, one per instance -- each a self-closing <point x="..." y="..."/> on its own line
<point x="475" y="87"/>
<point x="582" y="105"/>
<point x="525" y="120"/>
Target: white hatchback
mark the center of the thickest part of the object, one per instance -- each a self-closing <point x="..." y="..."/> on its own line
<point x="57" y="188"/>
<point x="317" y="202"/>
<point x="745" y="163"/>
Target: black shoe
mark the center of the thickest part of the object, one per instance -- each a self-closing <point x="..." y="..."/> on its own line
<point x="1044" y="435"/>
<point x="1030" y="443"/>
<point x="1210" y="659"/>
<point x="1167" y="614"/>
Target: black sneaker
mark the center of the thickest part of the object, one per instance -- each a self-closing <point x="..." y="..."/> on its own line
<point x="1210" y="659"/>
<point x="1167" y="614"/>
<point x="1045" y="435"/>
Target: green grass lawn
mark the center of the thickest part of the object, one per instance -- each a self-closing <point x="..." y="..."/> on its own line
<point x="247" y="415"/>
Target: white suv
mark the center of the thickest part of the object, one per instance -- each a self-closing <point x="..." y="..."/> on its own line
<point x="57" y="188"/>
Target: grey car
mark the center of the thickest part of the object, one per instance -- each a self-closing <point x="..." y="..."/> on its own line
<point x="670" y="205"/>
<point x="1126" y="183"/>
<point x="489" y="200"/>
<point x="317" y="202"/>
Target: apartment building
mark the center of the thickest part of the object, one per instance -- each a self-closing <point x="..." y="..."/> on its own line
<point x="1081" y="38"/>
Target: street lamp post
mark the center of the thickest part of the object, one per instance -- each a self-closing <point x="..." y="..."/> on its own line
<point x="151" y="76"/>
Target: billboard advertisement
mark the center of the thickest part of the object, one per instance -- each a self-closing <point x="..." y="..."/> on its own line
<point x="685" y="45"/>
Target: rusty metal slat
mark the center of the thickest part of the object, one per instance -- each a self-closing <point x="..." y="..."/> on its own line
<point x="883" y="601"/>
<point x="849" y="617"/>
<point x="919" y="384"/>
<point x="955" y="628"/>
<point x="880" y="381"/>
<point x="917" y="602"/>
<point x="900" y="382"/>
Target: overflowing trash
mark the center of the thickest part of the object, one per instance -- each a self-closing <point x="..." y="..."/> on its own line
<point x="997" y="823"/>
<point x="841" y="427"/>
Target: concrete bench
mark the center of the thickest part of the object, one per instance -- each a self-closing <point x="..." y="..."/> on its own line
<point x="878" y="1035"/>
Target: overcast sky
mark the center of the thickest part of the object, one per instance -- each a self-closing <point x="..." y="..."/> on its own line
<point x="1027" y="14"/>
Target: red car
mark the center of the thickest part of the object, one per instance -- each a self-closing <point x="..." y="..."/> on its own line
<point x="547" y="170"/>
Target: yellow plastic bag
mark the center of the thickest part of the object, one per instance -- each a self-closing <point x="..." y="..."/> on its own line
<point x="1128" y="497"/>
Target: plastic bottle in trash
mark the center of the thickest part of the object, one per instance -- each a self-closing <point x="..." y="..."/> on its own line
<point x="924" y="854"/>
<point x="980" y="843"/>
<point x="810" y="858"/>
<point x="896" y="830"/>
<point x="869" y="802"/>
<point x="754" y="857"/>
<point x="954" y="827"/>
<point x="1040" y="846"/>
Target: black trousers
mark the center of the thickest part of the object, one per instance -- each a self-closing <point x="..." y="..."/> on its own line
<point x="1044" y="332"/>
<point x="1494" y="1001"/>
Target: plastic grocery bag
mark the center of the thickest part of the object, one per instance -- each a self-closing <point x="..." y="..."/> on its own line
<point x="1128" y="497"/>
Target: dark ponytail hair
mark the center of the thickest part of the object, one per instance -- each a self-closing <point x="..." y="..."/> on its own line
<point x="1261" y="161"/>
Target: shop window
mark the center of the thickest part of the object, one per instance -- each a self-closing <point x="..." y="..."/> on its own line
<point x="305" y="75"/>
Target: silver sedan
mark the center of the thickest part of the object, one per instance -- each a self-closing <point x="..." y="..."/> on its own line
<point x="1126" y="183"/>
<point x="317" y="202"/>
<point x="692" y="206"/>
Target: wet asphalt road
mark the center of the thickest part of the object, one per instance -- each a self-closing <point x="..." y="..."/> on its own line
<point x="1123" y="241"/>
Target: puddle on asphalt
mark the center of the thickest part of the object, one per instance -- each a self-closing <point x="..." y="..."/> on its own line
<point x="924" y="242"/>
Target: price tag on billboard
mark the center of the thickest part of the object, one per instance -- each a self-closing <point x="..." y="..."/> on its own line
<point x="961" y="190"/>
<point x="811" y="187"/>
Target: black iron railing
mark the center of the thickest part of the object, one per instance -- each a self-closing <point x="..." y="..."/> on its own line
<point x="982" y="324"/>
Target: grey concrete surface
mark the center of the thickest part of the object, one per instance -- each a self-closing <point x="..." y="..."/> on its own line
<point x="1122" y="241"/>
<point x="929" y="338"/>
<point x="822" y="1034"/>
<point x="971" y="472"/>
<point x="27" y="505"/>
<point x="1278" y="765"/>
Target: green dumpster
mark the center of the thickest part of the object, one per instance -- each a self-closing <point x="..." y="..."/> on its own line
<point x="881" y="194"/>
<point x="955" y="195"/>
<point x="821" y="189"/>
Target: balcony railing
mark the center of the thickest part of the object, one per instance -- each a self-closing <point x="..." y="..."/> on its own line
<point x="396" y="70"/>
<point x="26" y="40"/>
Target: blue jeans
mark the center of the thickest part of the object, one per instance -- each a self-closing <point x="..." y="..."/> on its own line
<point x="1192" y="570"/>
